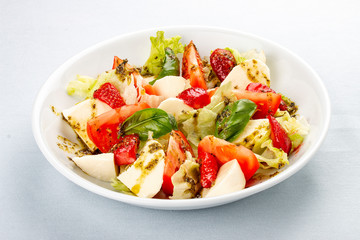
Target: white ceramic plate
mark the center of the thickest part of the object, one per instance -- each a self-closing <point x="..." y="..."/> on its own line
<point x="290" y="75"/>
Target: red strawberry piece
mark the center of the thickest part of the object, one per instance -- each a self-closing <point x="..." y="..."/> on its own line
<point x="208" y="169"/>
<point x="278" y="135"/>
<point x="125" y="150"/>
<point x="222" y="62"/>
<point x="195" y="97"/>
<point x="109" y="94"/>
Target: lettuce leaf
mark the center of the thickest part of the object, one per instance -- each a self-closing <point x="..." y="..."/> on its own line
<point x="155" y="61"/>
<point x="119" y="186"/>
<point x="221" y="98"/>
<point x="200" y="124"/>
<point x="251" y="54"/>
<point x="81" y="86"/>
<point x="239" y="59"/>
<point x="297" y="128"/>
<point x="272" y="157"/>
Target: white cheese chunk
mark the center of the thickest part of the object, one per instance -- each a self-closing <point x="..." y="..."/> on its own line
<point x="252" y="133"/>
<point x="78" y="116"/>
<point x="174" y="106"/>
<point x="252" y="70"/>
<point x="99" y="166"/>
<point x="229" y="179"/>
<point x="170" y="86"/>
<point x="145" y="176"/>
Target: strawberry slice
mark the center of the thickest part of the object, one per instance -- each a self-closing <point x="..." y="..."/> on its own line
<point x="278" y="135"/>
<point x="222" y="62"/>
<point x="192" y="67"/>
<point x="109" y="94"/>
<point x="195" y="97"/>
<point x="125" y="150"/>
<point x="208" y="169"/>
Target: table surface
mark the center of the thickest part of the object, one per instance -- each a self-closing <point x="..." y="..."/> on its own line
<point x="37" y="202"/>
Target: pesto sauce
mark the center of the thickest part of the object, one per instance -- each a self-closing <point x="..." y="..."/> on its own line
<point x="156" y="150"/>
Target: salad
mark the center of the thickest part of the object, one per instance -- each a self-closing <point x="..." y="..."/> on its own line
<point x="182" y="126"/>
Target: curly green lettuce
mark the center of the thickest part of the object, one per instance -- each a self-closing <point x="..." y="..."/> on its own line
<point x="155" y="61"/>
<point x="119" y="186"/>
<point x="272" y="157"/>
<point x="239" y="59"/>
<point x="81" y="86"/>
<point x="297" y="128"/>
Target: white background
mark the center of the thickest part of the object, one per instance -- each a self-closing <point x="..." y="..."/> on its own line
<point x="322" y="201"/>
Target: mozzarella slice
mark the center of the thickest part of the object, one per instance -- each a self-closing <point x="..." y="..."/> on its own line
<point x="99" y="166"/>
<point x="145" y="176"/>
<point x="170" y="86"/>
<point x="174" y="106"/>
<point x="78" y="116"/>
<point x="252" y="133"/>
<point x="252" y="70"/>
<point x="230" y="179"/>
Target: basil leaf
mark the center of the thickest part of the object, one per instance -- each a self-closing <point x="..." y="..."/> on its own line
<point x="150" y="119"/>
<point x="233" y="119"/>
<point x="173" y="122"/>
<point x="171" y="66"/>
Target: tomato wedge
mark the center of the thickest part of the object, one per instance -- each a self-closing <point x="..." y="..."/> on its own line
<point x="267" y="103"/>
<point x="225" y="152"/>
<point x="175" y="156"/>
<point x="103" y="129"/>
<point x="192" y="67"/>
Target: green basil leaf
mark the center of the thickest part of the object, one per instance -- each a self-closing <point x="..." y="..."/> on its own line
<point x="150" y="119"/>
<point x="233" y="119"/>
<point x="173" y="122"/>
<point x="171" y="66"/>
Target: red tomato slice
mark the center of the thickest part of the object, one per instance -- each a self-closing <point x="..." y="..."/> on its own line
<point x="175" y="156"/>
<point x="103" y="129"/>
<point x="192" y="67"/>
<point x="225" y="152"/>
<point x="267" y="103"/>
